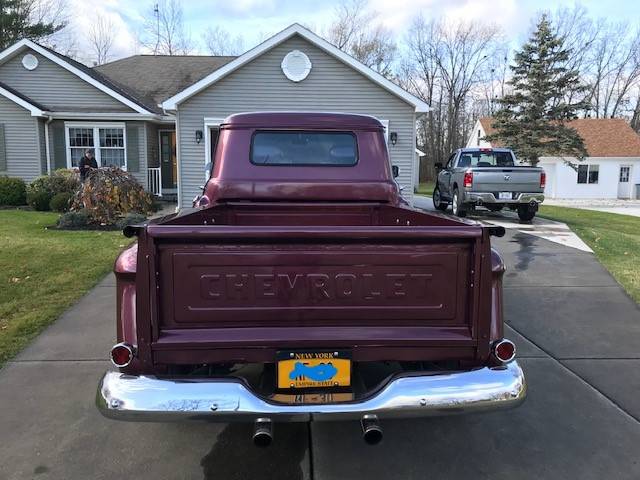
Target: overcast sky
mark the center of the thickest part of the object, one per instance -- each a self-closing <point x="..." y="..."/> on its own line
<point x="256" y="20"/>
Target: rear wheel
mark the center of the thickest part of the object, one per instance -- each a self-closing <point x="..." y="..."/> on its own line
<point x="526" y="213"/>
<point x="438" y="203"/>
<point x="456" y="204"/>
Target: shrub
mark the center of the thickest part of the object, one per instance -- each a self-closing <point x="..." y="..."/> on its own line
<point x="39" y="200"/>
<point x="13" y="191"/>
<point x="64" y="181"/>
<point x="44" y="188"/>
<point x="130" y="219"/>
<point x="60" y="202"/>
<point x="108" y="194"/>
<point x="79" y="219"/>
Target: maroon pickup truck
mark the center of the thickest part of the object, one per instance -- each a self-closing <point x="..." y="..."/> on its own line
<point x="301" y="287"/>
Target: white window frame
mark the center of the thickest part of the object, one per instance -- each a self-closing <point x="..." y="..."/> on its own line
<point x="96" y="139"/>
<point x="209" y="123"/>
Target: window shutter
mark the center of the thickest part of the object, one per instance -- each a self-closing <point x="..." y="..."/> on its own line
<point x="59" y="147"/>
<point x="133" y="151"/>
<point x="3" y="151"/>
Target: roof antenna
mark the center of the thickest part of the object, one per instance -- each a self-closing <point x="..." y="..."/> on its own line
<point x="156" y="12"/>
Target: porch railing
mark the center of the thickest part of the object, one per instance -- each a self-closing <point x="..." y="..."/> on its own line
<point x="154" y="181"/>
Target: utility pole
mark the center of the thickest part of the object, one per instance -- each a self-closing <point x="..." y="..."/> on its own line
<point x="156" y="12"/>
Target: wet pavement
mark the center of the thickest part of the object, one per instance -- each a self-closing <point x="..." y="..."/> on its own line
<point x="578" y="336"/>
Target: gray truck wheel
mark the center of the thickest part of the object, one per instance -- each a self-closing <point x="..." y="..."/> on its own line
<point x="525" y="213"/>
<point x="457" y="206"/>
<point x="437" y="200"/>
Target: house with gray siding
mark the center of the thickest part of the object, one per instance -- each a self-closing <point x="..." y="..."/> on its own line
<point x="158" y="116"/>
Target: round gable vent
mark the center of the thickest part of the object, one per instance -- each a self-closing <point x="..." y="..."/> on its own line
<point x="29" y="61"/>
<point x="296" y="66"/>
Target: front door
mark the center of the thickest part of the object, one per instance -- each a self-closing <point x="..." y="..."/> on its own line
<point x="624" y="182"/>
<point x="168" y="159"/>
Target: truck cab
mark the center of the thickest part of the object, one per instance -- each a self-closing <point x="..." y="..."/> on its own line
<point x="301" y="287"/>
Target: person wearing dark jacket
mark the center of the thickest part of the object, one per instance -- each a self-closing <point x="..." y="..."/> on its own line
<point x="87" y="162"/>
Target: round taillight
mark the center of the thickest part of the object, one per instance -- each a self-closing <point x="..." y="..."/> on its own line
<point x="504" y="350"/>
<point x="121" y="354"/>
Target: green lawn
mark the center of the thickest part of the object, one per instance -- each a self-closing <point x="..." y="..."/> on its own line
<point x="615" y="239"/>
<point x="426" y="188"/>
<point x="44" y="271"/>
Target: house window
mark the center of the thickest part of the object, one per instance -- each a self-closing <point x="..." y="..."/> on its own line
<point x="108" y="141"/>
<point x="588" y="173"/>
<point x="478" y="137"/>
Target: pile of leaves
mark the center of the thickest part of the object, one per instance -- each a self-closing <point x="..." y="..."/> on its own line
<point x="108" y="194"/>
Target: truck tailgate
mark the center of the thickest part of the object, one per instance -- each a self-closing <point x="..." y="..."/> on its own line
<point x="254" y="289"/>
<point x="508" y="179"/>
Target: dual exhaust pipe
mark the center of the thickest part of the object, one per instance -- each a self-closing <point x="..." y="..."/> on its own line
<point x="371" y="431"/>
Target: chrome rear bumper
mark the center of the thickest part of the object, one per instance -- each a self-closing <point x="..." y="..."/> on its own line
<point x="143" y="398"/>
<point x="489" y="197"/>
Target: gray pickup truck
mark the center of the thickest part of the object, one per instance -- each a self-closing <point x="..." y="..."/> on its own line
<point x="488" y="177"/>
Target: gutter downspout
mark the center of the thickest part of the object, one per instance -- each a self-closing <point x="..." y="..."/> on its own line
<point x="46" y="143"/>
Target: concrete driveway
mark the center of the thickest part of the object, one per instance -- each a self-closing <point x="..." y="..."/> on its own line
<point x="578" y="336"/>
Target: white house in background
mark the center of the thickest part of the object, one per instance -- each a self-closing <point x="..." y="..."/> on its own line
<point x="612" y="169"/>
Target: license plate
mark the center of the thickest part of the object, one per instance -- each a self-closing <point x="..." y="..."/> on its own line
<point x="314" y="369"/>
<point x="504" y="195"/>
<point x="312" y="398"/>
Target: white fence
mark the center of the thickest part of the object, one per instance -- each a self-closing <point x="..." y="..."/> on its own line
<point x="154" y="181"/>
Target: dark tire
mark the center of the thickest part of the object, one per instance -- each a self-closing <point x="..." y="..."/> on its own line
<point x="456" y="204"/>
<point x="494" y="208"/>
<point x="526" y="214"/>
<point x="438" y="203"/>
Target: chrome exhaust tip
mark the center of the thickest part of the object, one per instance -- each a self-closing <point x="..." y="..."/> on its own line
<point x="263" y="432"/>
<point x="371" y="429"/>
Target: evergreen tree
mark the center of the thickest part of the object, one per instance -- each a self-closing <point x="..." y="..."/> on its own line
<point x="532" y="118"/>
<point x="16" y="23"/>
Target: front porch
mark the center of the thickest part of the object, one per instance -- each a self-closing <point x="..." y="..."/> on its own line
<point x="162" y="171"/>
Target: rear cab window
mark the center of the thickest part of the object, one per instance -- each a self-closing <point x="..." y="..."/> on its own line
<point x="485" y="159"/>
<point x="304" y="148"/>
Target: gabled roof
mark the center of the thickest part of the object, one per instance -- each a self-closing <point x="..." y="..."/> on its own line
<point x="87" y="74"/>
<point x="295" y="29"/>
<point x="35" y="108"/>
<point x="603" y="137"/>
<point x="155" y="78"/>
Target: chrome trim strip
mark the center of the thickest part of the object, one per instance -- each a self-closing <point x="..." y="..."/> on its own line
<point x="146" y="398"/>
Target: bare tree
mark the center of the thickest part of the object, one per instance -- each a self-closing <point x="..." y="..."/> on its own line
<point x="220" y="42"/>
<point x="358" y="32"/>
<point x="101" y="36"/>
<point x="447" y="67"/>
<point x="163" y="31"/>
<point x="615" y="71"/>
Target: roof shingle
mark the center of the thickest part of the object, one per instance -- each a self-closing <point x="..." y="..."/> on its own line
<point x="603" y="137"/>
<point x="155" y="78"/>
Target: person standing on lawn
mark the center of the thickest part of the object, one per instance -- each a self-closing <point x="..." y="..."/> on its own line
<point x="87" y="163"/>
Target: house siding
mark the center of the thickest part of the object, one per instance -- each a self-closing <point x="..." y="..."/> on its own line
<point x="141" y="174"/>
<point x="56" y="88"/>
<point x="22" y="145"/>
<point x="260" y="85"/>
<point x="41" y="145"/>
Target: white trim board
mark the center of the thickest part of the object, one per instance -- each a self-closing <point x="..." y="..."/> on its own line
<point x="35" y="111"/>
<point x="26" y="43"/>
<point x="295" y="29"/>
